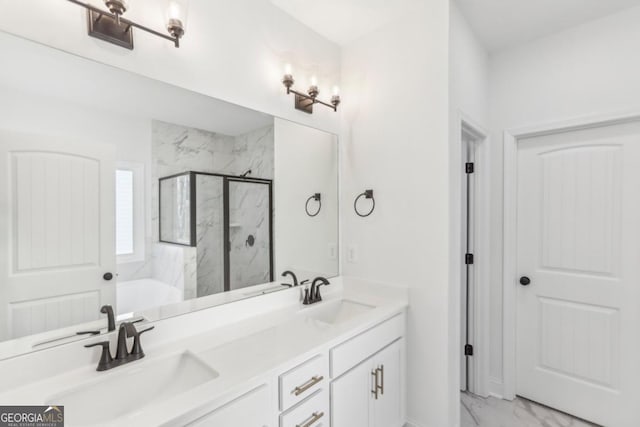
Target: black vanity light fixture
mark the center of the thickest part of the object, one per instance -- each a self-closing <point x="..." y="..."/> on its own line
<point x="315" y="197"/>
<point x="113" y="28"/>
<point x="305" y="102"/>
<point x="367" y="194"/>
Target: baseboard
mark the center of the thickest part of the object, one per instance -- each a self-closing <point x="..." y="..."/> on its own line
<point x="496" y="388"/>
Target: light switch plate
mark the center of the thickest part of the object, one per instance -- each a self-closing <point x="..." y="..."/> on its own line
<point x="352" y="254"/>
<point x="333" y="251"/>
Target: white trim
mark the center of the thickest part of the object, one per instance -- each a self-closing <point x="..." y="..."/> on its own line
<point x="138" y="212"/>
<point x="480" y="324"/>
<point x="496" y="388"/>
<point x="510" y="243"/>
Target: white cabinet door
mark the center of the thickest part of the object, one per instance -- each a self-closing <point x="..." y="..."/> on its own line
<point x="387" y="409"/>
<point x="57" y="232"/>
<point x="249" y="410"/>
<point x="350" y="396"/>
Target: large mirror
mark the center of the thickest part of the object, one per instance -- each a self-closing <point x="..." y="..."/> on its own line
<point x="124" y="191"/>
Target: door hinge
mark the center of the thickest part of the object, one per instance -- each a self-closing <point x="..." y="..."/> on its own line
<point x="468" y="350"/>
<point x="468" y="259"/>
<point x="469" y="167"/>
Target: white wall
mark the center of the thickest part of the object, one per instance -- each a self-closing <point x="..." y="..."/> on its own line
<point x="233" y="50"/>
<point x="468" y="101"/>
<point x="306" y="162"/>
<point x="588" y="70"/>
<point x="395" y="141"/>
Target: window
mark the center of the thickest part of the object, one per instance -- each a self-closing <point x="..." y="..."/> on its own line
<point x="129" y="212"/>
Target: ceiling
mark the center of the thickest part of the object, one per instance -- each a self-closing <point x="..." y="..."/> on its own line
<point x="506" y="23"/>
<point x="343" y="21"/>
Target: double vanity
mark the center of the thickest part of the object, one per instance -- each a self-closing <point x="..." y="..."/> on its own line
<point x="264" y="361"/>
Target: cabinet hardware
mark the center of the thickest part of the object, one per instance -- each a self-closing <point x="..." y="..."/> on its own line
<point x="379" y="378"/>
<point x="311" y="420"/>
<point x="381" y="387"/>
<point x="374" y="374"/>
<point x="306" y="386"/>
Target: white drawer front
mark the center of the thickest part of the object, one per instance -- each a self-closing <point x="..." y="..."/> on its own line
<point x="348" y="354"/>
<point x="302" y="381"/>
<point x="313" y="412"/>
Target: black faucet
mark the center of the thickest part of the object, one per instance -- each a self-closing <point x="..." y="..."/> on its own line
<point x="293" y="276"/>
<point x="313" y="296"/>
<point x="123" y="356"/>
<point x="111" y="320"/>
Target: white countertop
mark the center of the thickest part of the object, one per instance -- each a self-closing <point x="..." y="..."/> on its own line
<point x="244" y="352"/>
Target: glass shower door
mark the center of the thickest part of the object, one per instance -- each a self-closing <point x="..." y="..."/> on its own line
<point x="249" y="233"/>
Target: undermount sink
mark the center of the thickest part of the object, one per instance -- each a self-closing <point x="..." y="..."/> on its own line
<point x="333" y="312"/>
<point x="128" y="391"/>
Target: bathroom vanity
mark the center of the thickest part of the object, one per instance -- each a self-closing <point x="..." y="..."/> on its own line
<point x="265" y="361"/>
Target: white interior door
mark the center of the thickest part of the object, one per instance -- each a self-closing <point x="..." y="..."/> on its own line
<point x="57" y="236"/>
<point x="578" y="320"/>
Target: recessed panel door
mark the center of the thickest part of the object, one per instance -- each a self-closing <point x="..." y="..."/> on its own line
<point x="578" y="299"/>
<point x="57" y="238"/>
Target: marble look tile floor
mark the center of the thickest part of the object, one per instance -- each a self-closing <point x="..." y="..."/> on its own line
<point x="476" y="411"/>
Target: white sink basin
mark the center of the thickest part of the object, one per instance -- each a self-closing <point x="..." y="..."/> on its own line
<point x="127" y="389"/>
<point x="332" y="312"/>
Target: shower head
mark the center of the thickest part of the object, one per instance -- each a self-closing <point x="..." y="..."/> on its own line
<point x="245" y="174"/>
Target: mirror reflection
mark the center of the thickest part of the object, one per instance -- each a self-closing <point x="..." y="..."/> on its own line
<point x="146" y="197"/>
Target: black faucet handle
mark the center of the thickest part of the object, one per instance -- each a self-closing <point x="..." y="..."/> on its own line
<point x="136" y="351"/>
<point x="105" y="358"/>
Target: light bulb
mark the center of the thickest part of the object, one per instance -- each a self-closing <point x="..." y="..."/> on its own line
<point x="288" y="70"/>
<point x="176" y="17"/>
<point x="314" y="81"/>
<point x="336" y="91"/>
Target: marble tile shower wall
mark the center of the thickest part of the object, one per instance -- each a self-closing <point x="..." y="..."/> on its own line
<point x="249" y="213"/>
<point x="177" y="149"/>
<point x="210" y="234"/>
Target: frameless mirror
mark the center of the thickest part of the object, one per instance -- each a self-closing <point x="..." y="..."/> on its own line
<point x="125" y="191"/>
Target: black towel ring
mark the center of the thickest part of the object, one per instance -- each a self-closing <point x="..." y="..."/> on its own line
<point x="318" y="199"/>
<point x="368" y="194"/>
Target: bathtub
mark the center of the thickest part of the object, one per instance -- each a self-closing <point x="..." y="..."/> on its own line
<point x="137" y="295"/>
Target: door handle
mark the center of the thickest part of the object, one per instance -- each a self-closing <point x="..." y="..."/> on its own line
<point x="525" y="281"/>
<point x="107" y="276"/>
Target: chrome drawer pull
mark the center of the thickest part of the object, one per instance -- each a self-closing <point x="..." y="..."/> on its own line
<point x="312" y="420"/>
<point x="306" y="386"/>
<point x="374" y="374"/>
<point x="381" y="386"/>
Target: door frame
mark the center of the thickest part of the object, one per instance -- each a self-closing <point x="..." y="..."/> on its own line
<point x="510" y="238"/>
<point x="479" y="325"/>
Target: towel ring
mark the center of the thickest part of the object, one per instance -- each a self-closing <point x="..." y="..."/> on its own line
<point x="368" y="194"/>
<point x="318" y="199"/>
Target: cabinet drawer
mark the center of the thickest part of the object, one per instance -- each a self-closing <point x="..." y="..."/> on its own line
<point x="313" y="412"/>
<point x="347" y="355"/>
<point x="302" y="381"/>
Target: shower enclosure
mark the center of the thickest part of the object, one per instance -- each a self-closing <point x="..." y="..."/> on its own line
<point x="228" y="219"/>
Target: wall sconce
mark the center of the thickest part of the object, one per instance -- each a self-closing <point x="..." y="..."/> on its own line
<point x="113" y="28"/>
<point x="305" y="102"/>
